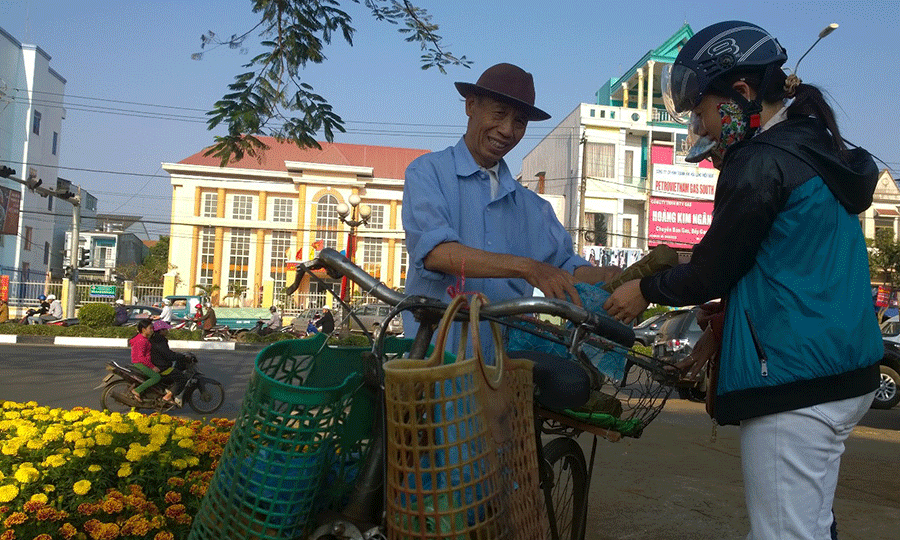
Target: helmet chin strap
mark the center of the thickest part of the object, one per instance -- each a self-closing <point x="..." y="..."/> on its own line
<point x="752" y="109"/>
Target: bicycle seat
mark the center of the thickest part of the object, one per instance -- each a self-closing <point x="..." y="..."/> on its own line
<point x="561" y="383"/>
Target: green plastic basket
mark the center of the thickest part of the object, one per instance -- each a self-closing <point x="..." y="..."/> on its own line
<point x="302" y="434"/>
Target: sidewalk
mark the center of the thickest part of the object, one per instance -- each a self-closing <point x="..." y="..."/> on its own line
<point x="73" y="341"/>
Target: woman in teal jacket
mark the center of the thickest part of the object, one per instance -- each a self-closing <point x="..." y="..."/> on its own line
<point x="800" y="348"/>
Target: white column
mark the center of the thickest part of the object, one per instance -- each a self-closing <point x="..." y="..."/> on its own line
<point x="640" y="74"/>
<point x="650" y="65"/>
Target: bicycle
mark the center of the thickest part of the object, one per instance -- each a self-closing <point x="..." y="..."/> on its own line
<point x="565" y="473"/>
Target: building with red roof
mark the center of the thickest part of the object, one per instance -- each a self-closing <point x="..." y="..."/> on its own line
<point x="242" y="226"/>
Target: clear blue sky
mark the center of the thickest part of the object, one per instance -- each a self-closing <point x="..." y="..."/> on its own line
<point x="116" y="54"/>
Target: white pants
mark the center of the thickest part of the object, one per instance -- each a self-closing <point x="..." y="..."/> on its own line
<point x="790" y="462"/>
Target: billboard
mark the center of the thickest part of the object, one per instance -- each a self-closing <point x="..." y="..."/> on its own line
<point x="684" y="182"/>
<point x="607" y="256"/>
<point x="9" y="210"/>
<point x="678" y="222"/>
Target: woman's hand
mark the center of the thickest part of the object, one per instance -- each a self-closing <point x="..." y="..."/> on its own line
<point x="626" y="302"/>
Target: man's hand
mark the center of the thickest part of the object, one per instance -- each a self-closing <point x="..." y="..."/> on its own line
<point x="552" y="281"/>
<point x="626" y="302"/>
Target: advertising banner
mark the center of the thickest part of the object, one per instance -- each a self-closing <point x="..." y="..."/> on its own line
<point x="684" y="182"/>
<point x="884" y="296"/>
<point x="607" y="256"/>
<point x="680" y="223"/>
<point x="9" y="210"/>
<point x="4" y="288"/>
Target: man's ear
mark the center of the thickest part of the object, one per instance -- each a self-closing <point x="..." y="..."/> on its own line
<point x="742" y="88"/>
<point x="470" y="104"/>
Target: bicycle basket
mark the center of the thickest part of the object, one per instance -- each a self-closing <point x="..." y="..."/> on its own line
<point x="303" y="432"/>
<point x="627" y="390"/>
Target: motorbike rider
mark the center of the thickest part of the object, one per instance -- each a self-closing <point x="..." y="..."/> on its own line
<point x="121" y="316"/>
<point x="166" y="314"/>
<point x="33" y="316"/>
<point x="55" y="311"/>
<point x="326" y="321"/>
<point x="800" y="347"/>
<point x="208" y="319"/>
<point x="170" y="363"/>
<point x="140" y="359"/>
<point x="274" y="323"/>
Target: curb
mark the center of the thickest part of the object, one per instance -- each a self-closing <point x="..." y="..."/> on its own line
<point x="121" y="343"/>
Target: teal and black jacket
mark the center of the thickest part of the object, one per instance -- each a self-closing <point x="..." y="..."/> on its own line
<point x="786" y="250"/>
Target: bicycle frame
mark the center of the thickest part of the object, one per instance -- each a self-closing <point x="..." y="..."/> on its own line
<point x="366" y="505"/>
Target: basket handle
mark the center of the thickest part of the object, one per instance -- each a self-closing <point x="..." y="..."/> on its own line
<point x="440" y="340"/>
<point x="493" y="375"/>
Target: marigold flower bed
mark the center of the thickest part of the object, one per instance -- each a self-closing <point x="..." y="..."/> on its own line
<point x="84" y="474"/>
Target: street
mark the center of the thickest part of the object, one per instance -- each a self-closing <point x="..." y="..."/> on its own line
<point x="673" y="483"/>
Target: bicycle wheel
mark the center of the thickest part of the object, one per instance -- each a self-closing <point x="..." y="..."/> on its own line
<point x="568" y="493"/>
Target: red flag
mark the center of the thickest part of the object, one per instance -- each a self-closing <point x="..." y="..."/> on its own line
<point x="318" y="245"/>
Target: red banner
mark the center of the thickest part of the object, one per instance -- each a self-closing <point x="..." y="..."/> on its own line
<point x="678" y="222"/>
<point x="9" y="210"/>
<point x="4" y="288"/>
<point x="884" y="296"/>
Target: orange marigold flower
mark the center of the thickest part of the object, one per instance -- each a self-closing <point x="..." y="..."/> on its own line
<point x="87" y="509"/>
<point x="112" y="506"/>
<point x="164" y="535"/>
<point x="47" y="513"/>
<point x="92" y="525"/>
<point x="175" y="482"/>
<point x="16" y="518"/>
<point x="107" y="532"/>
<point x="175" y="510"/>
<point x="43" y="536"/>
<point x="32" y="506"/>
<point x="173" y="497"/>
<point x="68" y="531"/>
<point x="135" y="489"/>
<point x="183" y="519"/>
<point x="8" y="535"/>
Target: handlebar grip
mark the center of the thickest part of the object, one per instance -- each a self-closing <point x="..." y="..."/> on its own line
<point x="612" y="329"/>
<point x="660" y="258"/>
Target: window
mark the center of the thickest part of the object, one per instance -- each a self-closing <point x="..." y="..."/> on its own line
<point x="371" y="261"/>
<point x="600" y="160"/>
<point x="27" y="238"/>
<point x="597" y="226"/>
<point x="327" y="221"/>
<point x="209" y="207"/>
<point x="239" y="259"/>
<point x="627" y="233"/>
<point x="207" y="255"/>
<point x="884" y="224"/>
<point x="282" y="209"/>
<point x="629" y="167"/>
<point x="404" y="263"/>
<point x="376" y="220"/>
<point x="55" y="142"/>
<point x="36" y="123"/>
<point x="242" y="207"/>
<point x="281" y="246"/>
<point x="91" y="202"/>
<point x="46" y="253"/>
<point x="50" y="203"/>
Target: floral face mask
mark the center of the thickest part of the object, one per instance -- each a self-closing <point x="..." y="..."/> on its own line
<point x="734" y="129"/>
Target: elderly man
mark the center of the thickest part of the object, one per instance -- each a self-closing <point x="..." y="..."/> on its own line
<point x="465" y="215"/>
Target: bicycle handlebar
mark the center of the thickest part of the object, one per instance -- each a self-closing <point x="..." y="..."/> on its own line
<point x="601" y="325"/>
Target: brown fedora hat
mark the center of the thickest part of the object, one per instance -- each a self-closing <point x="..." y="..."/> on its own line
<point x="507" y="83"/>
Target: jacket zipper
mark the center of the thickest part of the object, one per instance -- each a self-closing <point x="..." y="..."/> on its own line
<point x="760" y="352"/>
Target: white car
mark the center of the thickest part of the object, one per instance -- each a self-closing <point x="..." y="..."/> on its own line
<point x="890" y="329"/>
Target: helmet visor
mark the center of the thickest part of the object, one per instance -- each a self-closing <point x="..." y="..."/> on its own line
<point x="680" y="91"/>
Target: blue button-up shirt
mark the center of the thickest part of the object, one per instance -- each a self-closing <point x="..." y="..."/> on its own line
<point x="447" y="198"/>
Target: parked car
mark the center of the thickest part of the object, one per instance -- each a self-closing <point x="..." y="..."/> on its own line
<point x="135" y="314"/>
<point x="887" y="396"/>
<point x="645" y="332"/>
<point x="675" y="339"/>
<point x="372" y="316"/>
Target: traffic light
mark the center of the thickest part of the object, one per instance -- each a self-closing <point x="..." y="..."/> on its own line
<point x="6" y="172"/>
<point x="83" y="255"/>
<point x="67" y="271"/>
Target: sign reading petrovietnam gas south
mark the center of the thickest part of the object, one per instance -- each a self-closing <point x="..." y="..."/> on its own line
<point x="681" y="204"/>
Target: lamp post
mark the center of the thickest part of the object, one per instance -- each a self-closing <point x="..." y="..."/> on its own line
<point x="354" y="215"/>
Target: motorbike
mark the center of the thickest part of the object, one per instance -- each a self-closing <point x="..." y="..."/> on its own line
<point x="202" y="394"/>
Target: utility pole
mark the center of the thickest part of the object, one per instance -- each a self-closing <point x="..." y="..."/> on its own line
<point x="582" y="190"/>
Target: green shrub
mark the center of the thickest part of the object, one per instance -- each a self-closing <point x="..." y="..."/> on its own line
<point x="653" y="311"/>
<point x="353" y="340"/>
<point x="185" y="335"/>
<point x="97" y="315"/>
<point x="646" y="350"/>
<point x="9" y="328"/>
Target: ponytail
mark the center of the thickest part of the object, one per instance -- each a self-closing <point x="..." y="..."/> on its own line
<point x="809" y="101"/>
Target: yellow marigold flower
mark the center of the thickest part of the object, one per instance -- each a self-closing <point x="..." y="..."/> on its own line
<point x="193" y="461"/>
<point x="81" y="487"/>
<point x="186" y="443"/>
<point x="179" y="463"/>
<point x="26" y="474"/>
<point x="10" y="449"/>
<point x="8" y="493"/>
<point x="103" y="439"/>
<point x="72" y="416"/>
<point x="164" y="535"/>
<point x="34" y="444"/>
<point x="55" y="460"/>
<point x="124" y="471"/>
<point x="135" y="453"/>
<point x="48" y="488"/>
<point x="16" y="518"/>
<point x="71" y="436"/>
<point x="68" y="531"/>
<point x="80" y="452"/>
<point x="120" y="427"/>
<point x="39" y="497"/>
<point x="86" y="442"/>
<point x="95" y="468"/>
<point x="182" y="432"/>
<point x="12" y="415"/>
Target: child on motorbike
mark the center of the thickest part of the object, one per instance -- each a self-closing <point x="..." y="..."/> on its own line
<point x="140" y="357"/>
<point x="171" y="364"/>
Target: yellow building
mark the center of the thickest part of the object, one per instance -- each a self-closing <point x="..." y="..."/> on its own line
<point x="241" y="226"/>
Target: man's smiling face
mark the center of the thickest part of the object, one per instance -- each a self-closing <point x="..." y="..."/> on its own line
<point x="494" y="128"/>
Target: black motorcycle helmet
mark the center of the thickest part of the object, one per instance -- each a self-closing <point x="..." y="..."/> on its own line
<point x="713" y="56"/>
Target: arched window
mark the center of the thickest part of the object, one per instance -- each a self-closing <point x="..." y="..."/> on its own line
<point x="327" y="220"/>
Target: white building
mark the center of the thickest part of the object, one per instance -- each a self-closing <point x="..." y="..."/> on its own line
<point x="618" y="163"/>
<point x="31" y="115"/>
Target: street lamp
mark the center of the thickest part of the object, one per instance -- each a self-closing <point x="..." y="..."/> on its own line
<point x="354" y="215"/>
